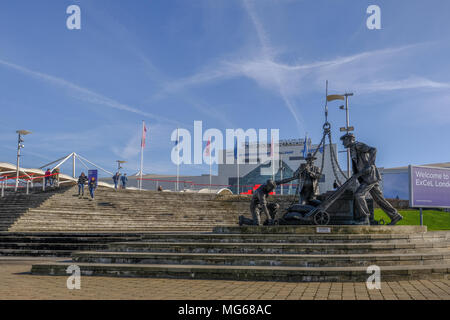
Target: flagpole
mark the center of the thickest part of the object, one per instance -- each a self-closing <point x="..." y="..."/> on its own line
<point x="178" y="161"/>
<point x="142" y="155"/>
<point x="236" y="156"/>
<point x="237" y="160"/>
<point x="281" y="172"/>
<point x="210" y="171"/>
<point x="210" y="164"/>
<point x="273" y="160"/>
<point x="208" y="153"/>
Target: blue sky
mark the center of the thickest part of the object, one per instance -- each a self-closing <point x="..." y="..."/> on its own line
<point x="230" y="63"/>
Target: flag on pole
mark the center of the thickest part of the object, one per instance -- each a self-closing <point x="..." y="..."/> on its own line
<point x="273" y="158"/>
<point x="236" y="154"/>
<point x="144" y="133"/>
<point x="235" y="148"/>
<point x="208" y="154"/>
<point x="333" y="97"/>
<point x="178" y="161"/>
<point x="208" y="148"/>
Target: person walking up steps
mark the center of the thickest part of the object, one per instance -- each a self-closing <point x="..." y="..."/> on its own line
<point x="92" y="186"/>
<point x="48" y="174"/>
<point x="116" y="179"/>
<point x="124" y="180"/>
<point x="82" y="180"/>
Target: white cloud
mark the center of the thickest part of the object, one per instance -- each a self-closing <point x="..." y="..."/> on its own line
<point x="364" y="72"/>
<point x="403" y="84"/>
<point x="83" y="93"/>
<point x="270" y="70"/>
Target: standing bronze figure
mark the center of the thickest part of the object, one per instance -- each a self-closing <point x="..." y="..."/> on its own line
<point x="308" y="175"/>
<point x="363" y="163"/>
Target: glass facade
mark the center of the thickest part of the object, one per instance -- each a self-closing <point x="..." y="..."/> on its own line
<point x="396" y="185"/>
<point x="254" y="177"/>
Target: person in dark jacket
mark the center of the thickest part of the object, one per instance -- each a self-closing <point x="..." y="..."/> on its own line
<point x="55" y="177"/>
<point x="124" y="180"/>
<point x="259" y="203"/>
<point x="48" y="174"/>
<point x="116" y="179"/>
<point x="82" y="180"/>
<point x="363" y="163"/>
<point x="92" y="186"/>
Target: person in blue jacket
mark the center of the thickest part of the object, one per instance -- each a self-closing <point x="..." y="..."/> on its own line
<point x="116" y="179"/>
<point x="82" y="179"/>
<point x="124" y="180"/>
<point x="92" y="186"/>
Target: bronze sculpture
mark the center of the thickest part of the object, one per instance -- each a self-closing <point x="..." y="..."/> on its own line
<point x="259" y="204"/>
<point x="363" y="164"/>
<point x="308" y="175"/>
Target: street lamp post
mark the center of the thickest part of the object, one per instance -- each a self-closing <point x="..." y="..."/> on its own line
<point x="119" y="162"/>
<point x="20" y="133"/>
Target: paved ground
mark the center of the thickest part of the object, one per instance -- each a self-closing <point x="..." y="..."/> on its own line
<point x="17" y="283"/>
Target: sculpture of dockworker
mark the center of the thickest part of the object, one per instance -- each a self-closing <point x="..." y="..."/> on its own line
<point x="308" y="175"/>
<point x="363" y="163"/>
<point x="259" y="204"/>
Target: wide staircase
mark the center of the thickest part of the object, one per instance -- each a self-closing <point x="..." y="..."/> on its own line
<point x="130" y="211"/>
<point x="274" y="253"/>
<point x="14" y="205"/>
<point x="57" y="222"/>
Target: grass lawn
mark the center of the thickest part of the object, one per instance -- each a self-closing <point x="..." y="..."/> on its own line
<point x="434" y="220"/>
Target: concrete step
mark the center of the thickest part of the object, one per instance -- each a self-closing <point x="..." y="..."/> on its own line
<point x="251" y="273"/>
<point x="332" y="229"/>
<point x="94" y="217"/>
<point x="35" y="253"/>
<point x="298" y="260"/>
<point x="71" y="234"/>
<point x="280" y="248"/>
<point x="46" y="239"/>
<point x="109" y="229"/>
<point x="53" y="246"/>
<point x="114" y="225"/>
<point x="47" y="243"/>
<point x="298" y="238"/>
<point x="127" y="222"/>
